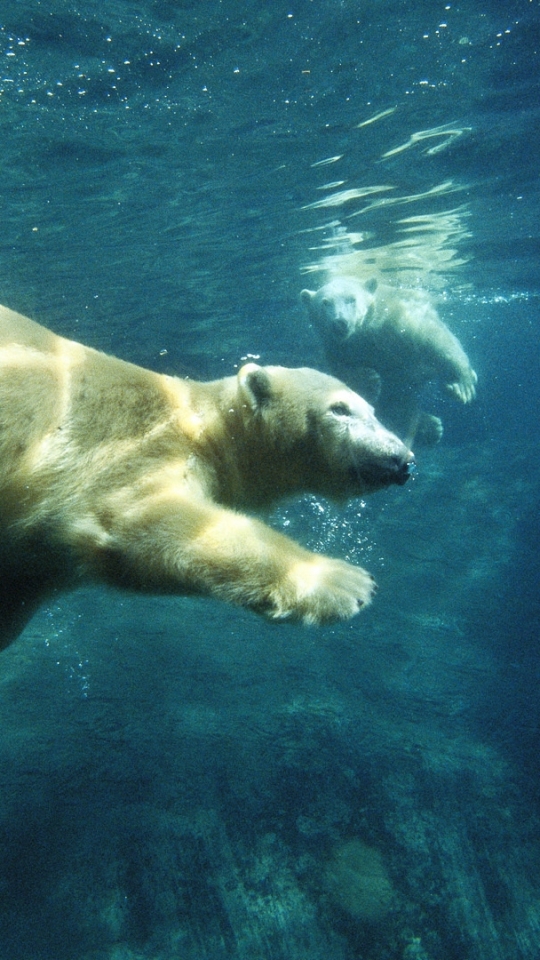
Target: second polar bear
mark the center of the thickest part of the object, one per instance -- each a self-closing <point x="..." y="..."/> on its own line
<point x="387" y="344"/>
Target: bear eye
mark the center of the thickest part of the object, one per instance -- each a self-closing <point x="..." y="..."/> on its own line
<point x="341" y="409"/>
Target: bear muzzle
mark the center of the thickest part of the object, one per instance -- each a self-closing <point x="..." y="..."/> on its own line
<point x="341" y="329"/>
<point x="392" y="469"/>
<point x="404" y="469"/>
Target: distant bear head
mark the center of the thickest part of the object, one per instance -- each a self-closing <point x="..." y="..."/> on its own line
<point x="307" y="431"/>
<point x="340" y="306"/>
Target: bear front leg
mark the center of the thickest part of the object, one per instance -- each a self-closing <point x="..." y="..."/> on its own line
<point x="185" y="546"/>
<point x="449" y="359"/>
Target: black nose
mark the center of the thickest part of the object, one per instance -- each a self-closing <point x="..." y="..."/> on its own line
<point x="340" y="328"/>
<point x="403" y="470"/>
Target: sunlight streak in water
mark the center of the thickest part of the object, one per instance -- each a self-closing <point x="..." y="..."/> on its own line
<point x="447" y="130"/>
<point x="378" y="116"/>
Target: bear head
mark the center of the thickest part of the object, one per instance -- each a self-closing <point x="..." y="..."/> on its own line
<point x="305" y="431"/>
<point x="341" y="306"/>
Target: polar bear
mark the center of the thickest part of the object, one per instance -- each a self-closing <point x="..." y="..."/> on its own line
<point x="112" y="473"/>
<point x="387" y="344"/>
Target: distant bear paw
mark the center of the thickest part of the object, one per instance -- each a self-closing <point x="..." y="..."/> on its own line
<point x="321" y="590"/>
<point x="429" y="431"/>
<point x="464" y="389"/>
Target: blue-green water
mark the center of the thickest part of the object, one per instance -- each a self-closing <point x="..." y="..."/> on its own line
<point x="178" y="780"/>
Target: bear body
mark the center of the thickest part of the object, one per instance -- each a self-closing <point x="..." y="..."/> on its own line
<point x="112" y="473"/>
<point x="387" y="344"/>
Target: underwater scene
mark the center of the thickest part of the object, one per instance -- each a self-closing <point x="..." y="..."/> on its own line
<point x="345" y="185"/>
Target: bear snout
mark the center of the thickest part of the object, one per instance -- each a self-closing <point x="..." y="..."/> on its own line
<point x="400" y="462"/>
<point x="403" y="469"/>
<point x="340" y="328"/>
<point x="395" y="469"/>
<point x="384" y="471"/>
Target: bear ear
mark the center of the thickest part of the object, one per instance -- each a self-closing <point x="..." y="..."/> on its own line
<point x="306" y="296"/>
<point x="255" y="385"/>
<point x="372" y="285"/>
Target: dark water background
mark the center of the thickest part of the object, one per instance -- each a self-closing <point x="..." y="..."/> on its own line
<point x="177" y="778"/>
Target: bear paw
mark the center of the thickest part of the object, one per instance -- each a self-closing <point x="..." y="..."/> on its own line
<point x="429" y="431"/>
<point x="464" y="389"/>
<point x="321" y="591"/>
